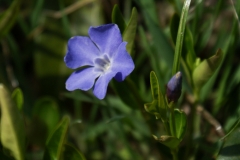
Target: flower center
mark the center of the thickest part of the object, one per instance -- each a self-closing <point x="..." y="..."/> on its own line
<point x="102" y="64"/>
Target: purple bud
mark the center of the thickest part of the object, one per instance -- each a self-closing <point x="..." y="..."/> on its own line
<point x="174" y="87"/>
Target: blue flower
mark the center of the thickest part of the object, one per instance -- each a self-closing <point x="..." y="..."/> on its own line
<point x="102" y="56"/>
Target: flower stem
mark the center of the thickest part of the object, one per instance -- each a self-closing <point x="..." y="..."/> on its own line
<point x="173" y="125"/>
<point x="194" y="128"/>
<point x="174" y="153"/>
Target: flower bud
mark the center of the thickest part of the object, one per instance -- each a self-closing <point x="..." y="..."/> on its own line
<point x="174" y="87"/>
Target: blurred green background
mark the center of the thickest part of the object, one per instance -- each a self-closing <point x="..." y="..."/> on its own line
<point x="33" y="39"/>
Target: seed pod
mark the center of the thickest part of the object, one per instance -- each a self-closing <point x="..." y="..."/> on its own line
<point x="174" y="87"/>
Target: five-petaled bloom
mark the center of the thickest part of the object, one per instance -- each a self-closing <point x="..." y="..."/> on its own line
<point x="102" y="56"/>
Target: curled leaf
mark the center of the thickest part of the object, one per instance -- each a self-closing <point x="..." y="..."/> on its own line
<point x="203" y="72"/>
<point x="169" y="141"/>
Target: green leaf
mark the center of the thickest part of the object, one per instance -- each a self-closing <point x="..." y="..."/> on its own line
<point x="118" y="19"/>
<point x="189" y="55"/>
<point x="12" y="126"/>
<point x="169" y="141"/>
<point x="56" y="141"/>
<point x="180" y="123"/>
<point x="130" y="31"/>
<point x="8" y="18"/>
<point x="17" y="96"/>
<point x="230" y="149"/>
<point x="158" y="106"/>
<point x="71" y="153"/>
<point x="234" y="126"/>
<point x="152" y="108"/>
<point x="190" y="52"/>
<point x="46" y="111"/>
<point x="180" y="36"/>
<point x="228" y="41"/>
<point x="203" y="72"/>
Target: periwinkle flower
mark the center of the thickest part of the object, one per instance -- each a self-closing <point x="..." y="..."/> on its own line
<point x="174" y="87"/>
<point x="102" y="56"/>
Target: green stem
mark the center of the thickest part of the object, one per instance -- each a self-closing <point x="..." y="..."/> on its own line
<point x="174" y="153"/>
<point x="194" y="129"/>
<point x="173" y="125"/>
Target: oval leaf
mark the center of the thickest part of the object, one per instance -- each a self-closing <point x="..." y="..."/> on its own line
<point x="158" y="106"/>
<point x="203" y="72"/>
<point x="12" y="125"/>
<point x="56" y="140"/>
<point x="180" y="123"/>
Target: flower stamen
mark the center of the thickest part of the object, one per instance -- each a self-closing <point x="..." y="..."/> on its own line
<point x="102" y="64"/>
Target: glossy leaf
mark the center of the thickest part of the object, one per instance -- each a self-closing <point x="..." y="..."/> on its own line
<point x="56" y="141"/>
<point x="117" y="18"/>
<point x="169" y="141"/>
<point x="203" y="72"/>
<point x="180" y="36"/>
<point x="71" y="153"/>
<point x="8" y="18"/>
<point x="130" y="31"/>
<point x="158" y="106"/>
<point x="230" y="149"/>
<point x="12" y="126"/>
<point x="180" y="123"/>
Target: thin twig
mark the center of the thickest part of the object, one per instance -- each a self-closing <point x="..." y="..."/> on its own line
<point x="211" y="120"/>
<point x="9" y="69"/>
<point x="68" y="10"/>
<point x="207" y="116"/>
